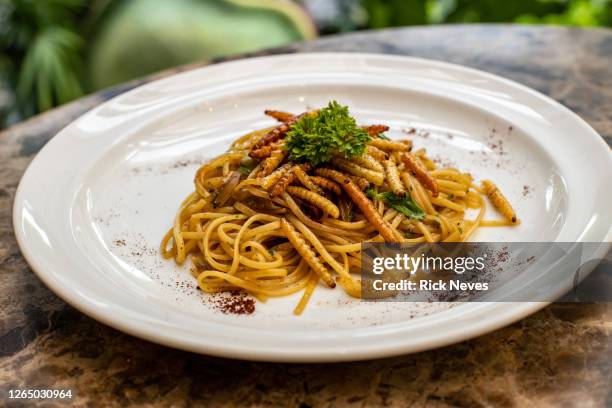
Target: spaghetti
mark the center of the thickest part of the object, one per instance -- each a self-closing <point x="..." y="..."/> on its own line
<point x="265" y="220"/>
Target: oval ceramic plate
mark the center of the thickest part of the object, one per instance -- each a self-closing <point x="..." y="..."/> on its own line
<point x="93" y="205"/>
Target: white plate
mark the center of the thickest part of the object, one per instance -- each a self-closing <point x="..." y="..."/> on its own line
<point x="93" y="205"/>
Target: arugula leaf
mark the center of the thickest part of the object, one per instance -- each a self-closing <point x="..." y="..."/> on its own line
<point x="317" y="138"/>
<point x="405" y="204"/>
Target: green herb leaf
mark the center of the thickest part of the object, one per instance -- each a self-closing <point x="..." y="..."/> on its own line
<point x="383" y="136"/>
<point x="404" y="204"/>
<point x="245" y="170"/>
<point x="374" y="194"/>
<point x="333" y="131"/>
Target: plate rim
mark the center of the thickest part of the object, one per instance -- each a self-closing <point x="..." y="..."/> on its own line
<point x="517" y="312"/>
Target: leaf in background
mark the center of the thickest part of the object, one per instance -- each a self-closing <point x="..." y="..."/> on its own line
<point x="182" y="31"/>
<point x="50" y="68"/>
<point x="578" y="13"/>
<point x="40" y="40"/>
<point x="393" y="13"/>
<point x="468" y="11"/>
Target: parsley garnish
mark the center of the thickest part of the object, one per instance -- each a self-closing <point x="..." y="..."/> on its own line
<point x="316" y="138"/>
<point x="405" y="204"/>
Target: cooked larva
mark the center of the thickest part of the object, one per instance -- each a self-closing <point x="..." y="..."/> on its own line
<point x="393" y="177"/>
<point x="316" y="199"/>
<point x="306" y="252"/>
<point x="419" y="170"/>
<point x="500" y="201"/>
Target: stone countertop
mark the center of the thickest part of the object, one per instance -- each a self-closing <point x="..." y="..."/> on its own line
<point x="559" y="356"/>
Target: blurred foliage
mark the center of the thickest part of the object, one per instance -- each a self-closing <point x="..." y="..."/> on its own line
<point x="52" y="51"/>
<point x="395" y="12"/>
<point x="40" y="62"/>
<point x="349" y="14"/>
<point x="181" y="31"/>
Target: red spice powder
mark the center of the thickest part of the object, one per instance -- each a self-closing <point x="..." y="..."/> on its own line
<point x="236" y="302"/>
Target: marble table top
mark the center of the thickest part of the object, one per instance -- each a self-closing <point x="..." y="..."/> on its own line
<point x="559" y="356"/>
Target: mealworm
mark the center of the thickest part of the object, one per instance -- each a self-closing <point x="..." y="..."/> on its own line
<point x="375" y="152"/>
<point x="375" y="130"/>
<point x="280" y="115"/>
<point x="306" y="180"/>
<point x="327" y="184"/>
<point x="271" y="163"/>
<point x="261" y="148"/>
<point x="500" y="201"/>
<point x="393" y="178"/>
<point x="306" y="252"/>
<point x="418" y="169"/>
<point x="272" y="178"/>
<point x="359" y="181"/>
<point x="262" y="152"/>
<point x="355" y="169"/>
<point x="319" y="201"/>
<point x="287" y="178"/>
<point x="272" y="136"/>
<point x="364" y="204"/>
<point x="283" y="182"/>
<point x="367" y="161"/>
<point x="390" y="145"/>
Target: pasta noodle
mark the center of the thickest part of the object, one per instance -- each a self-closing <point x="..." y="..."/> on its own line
<point x="261" y="222"/>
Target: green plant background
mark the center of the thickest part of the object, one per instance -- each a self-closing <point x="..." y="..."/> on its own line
<point x="53" y="51"/>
